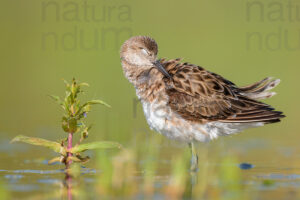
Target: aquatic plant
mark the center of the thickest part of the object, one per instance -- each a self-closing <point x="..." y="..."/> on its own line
<point x="73" y="122"/>
<point x="117" y="177"/>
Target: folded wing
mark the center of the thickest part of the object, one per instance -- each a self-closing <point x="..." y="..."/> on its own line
<point x="199" y="95"/>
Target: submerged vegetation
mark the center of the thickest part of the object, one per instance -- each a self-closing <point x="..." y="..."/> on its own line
<point x="73" y="122"/>
<point x="144" y="173"/>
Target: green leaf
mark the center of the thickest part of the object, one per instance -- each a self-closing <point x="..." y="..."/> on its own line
<point x="85" y="133"/>
<point x="56" y="98"/>
<point x="72" y="125"/>
<point x="86" y="107"/>
<point x="56" y="159"/>
<point x="69" y="125"/>
<point x="93" y="102"/>
<point x="55" y="146"/>
<point x="73" y="158"/>
<point x="83" y="159"/>
<point x="65" y="124"/>
<point x="66" y="82"/>
<point x="95" y="145"/>
<point x="84" y="84"/>
<point x="78" y="158"/>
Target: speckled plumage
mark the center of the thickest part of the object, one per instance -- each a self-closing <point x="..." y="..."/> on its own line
<point x="186" y="102"/>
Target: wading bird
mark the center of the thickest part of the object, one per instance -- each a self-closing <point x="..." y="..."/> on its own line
<point x="188" y="103"/>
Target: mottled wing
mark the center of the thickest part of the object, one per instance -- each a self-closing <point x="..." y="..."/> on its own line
<point x="200" y="95"/>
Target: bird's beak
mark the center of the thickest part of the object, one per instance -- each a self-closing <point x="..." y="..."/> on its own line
<point x="160" y="68"/>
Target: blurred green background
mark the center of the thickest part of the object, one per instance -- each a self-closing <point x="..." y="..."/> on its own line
<point x="211" y="34"/>
<point x="47" y="40"/>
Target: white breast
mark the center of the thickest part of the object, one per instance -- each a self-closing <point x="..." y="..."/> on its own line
<point x="161" y="119"/>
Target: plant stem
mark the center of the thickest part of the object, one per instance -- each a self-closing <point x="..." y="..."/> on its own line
<point x="70" y="138"/>
<point x="68" y="177"/>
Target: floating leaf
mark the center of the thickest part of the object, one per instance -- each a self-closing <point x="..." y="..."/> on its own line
<point x="95" y="145"/>
<point x="55" y="146"/>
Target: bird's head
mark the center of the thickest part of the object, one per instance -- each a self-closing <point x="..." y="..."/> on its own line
<point x="141" y="51"/>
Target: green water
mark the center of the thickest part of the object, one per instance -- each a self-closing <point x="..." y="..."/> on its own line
<point x="245" y="41"/>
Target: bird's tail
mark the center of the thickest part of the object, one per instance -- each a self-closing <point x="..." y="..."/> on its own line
<point x="260" y="89"/>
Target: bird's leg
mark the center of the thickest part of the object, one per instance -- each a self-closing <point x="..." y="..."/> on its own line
<point x="194" y="159"/>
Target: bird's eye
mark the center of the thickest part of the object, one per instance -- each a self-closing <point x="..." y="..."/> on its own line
<point x="145" y="52"/>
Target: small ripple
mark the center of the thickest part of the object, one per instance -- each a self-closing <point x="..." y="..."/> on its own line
<point x="30" y="171"/>
<point x="49" y="181"/>
<point x="13" y="176"/>
<point x="281" y="176"/>
<point x="23" y="187"/>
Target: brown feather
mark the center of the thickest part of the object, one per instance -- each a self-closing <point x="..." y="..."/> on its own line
<point x="199" y="95"/>
<point x="253" y="86"/>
